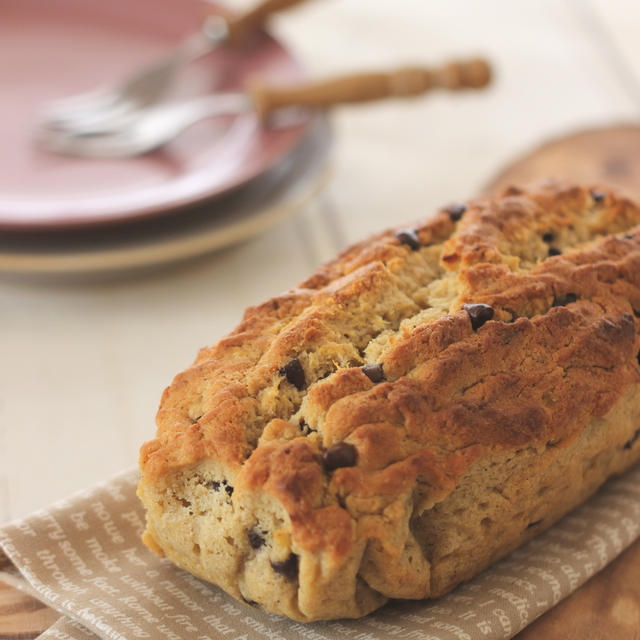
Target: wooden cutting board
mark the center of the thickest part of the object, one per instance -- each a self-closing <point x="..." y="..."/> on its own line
<point x="21" y="616"/>
<point x="608" y="606"/>
<point x="608" y="155"/>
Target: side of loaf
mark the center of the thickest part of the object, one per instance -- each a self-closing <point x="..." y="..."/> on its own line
<point x="412" y="412"/>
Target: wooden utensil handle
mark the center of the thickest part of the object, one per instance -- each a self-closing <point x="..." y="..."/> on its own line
<point x="239" y="27"/>
<point x="364" y="87"/>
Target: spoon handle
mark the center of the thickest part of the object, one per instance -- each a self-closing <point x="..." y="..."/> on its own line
<point x="366" y="87"/>
<point x="241" y="26"/>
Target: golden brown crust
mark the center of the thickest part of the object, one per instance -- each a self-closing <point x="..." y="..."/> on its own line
<point x="559" y="351"/>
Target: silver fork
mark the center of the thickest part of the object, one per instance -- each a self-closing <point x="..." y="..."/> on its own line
<point x="100" y="111"/>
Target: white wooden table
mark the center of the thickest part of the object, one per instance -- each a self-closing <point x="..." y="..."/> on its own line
<point x="82" y="366"/>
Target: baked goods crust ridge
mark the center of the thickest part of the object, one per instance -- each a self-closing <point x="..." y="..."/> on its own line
<point x="344" y="423"/>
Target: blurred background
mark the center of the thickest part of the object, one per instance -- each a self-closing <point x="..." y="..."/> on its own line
<point x="87" y="348"/>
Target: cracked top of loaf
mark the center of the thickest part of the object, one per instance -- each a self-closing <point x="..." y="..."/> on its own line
<point x="487" y="327"/>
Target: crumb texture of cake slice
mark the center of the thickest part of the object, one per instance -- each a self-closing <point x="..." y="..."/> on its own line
<point x="412" y="412"/>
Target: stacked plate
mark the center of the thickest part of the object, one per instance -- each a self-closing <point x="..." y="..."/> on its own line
<point x="220" y="182"/>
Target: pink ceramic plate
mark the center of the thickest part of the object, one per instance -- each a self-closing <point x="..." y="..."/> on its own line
<point x="55" y="48"/>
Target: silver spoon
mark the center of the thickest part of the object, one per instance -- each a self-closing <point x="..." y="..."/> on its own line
<point x="153" y="127"/>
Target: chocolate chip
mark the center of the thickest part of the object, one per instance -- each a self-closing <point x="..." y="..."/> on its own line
<point x="628" y="236"/>
<point x="288" y="568"/>
<point x="597" y="195"/>
<point x="255" y="539"/>
<point x="534" y="523"/>
<point x="629" y="443"/>
<point x="215" y="486"/>
<point x="479" y="314"/>
<point x="338" y="455"/>
<point x="456" y="211"/>
<point x="410" y="238"/>
<point x="554" y="252"/>
<point x="638" y="357"/>
<point x="374" y="372"/>
<point x="548" y="237"/>
<point x="564" y="300"/>
<point x="305" y="428"/>
<point x="294" y="373"/>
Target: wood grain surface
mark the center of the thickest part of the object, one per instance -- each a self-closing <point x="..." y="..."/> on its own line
<point x="22" y="616"/>
<point x="607" y="607"/>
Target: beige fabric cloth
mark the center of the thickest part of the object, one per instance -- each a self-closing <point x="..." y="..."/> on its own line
<point x="83" y="557"/>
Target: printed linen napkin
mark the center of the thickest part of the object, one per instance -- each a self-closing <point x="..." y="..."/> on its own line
<point x="83" y="557"/>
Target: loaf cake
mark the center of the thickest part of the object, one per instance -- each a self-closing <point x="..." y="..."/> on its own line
<point x="412" y="412"/>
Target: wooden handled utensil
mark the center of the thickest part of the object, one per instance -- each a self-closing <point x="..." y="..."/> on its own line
<point x="153" y="127"/>
<point x="367" y="87"/>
